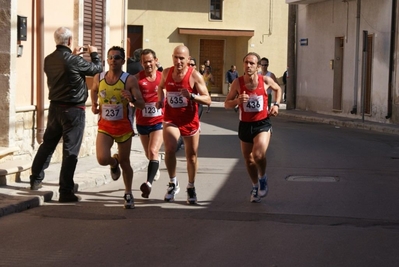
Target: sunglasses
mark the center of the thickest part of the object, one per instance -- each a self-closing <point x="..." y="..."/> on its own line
<point x="192" y="64"/>
<point x="116" y="57"/>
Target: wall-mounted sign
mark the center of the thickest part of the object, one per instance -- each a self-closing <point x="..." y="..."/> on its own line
<point x="304" y="42"/>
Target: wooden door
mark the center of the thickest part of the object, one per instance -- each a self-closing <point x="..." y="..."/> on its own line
<point x="214" y="51"/>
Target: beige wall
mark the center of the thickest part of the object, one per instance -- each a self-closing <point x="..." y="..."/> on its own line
<point x="22" y="82"/>
<point x="161" y="21"/>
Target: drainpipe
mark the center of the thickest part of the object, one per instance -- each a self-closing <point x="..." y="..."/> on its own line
<point x="391" y="59"/>
<point x="292" y="56"/>
<point x="39" y="71"/>
<point x="356" y="83"/>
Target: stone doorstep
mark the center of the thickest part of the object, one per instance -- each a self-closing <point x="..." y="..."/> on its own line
<point x="4" y="151"/>
<point x="11" y="171"/>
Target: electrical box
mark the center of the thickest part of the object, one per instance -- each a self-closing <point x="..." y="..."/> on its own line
<point x="22" y="25"/>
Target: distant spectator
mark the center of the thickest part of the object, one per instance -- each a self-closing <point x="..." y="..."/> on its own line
<point x="231" y="75"/>
<point x="134" y="65"/>
<point x="264" y="64"/>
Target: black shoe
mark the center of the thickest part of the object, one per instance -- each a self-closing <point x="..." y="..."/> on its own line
<point x="145" y="189"/>
<point x="68" y="197"/>
<point x="35" y="185"/>
<point x="191" y="196"/>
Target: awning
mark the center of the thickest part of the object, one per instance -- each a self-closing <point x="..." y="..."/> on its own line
<point x="218" y="32"/>
<point x="299" y="2"/>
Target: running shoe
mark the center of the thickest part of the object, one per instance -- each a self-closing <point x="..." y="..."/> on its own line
<point x="116" y="171"/>
<point x="171" y="191"/>
<point x="263" y="188"/>
<point x="145" y="189"/>
<point x="191" y="196"/>
<point x="255" y="198"/>
<point x="129" y="201"/>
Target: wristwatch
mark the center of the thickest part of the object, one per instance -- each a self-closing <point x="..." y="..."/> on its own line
<point x="192" y="96"/>
<point x="276" y="104"/>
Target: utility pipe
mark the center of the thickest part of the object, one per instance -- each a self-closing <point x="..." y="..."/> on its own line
<point x="356" y="82"/>
<point x="391" y="60"/>
<point x="39" y="71"/>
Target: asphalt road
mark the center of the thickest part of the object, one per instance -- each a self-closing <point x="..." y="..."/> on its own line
<point x="332" y="202"/>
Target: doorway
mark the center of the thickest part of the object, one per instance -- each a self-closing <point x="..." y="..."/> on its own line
<point x="338" y="71"/>
<point x="214" y="51"/>
<point x="134" y="39"/>
<point x="369" y="65"/>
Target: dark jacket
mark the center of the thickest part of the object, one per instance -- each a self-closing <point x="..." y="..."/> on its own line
<point x="66" y="75"/>
<point x="134" y="67"/>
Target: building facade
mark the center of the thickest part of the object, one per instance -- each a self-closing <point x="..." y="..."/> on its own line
<point x="27" y="30"/>
<point x="219" y="30"/>
<point x="345" y="58"/>
<point x="222" y="31"/>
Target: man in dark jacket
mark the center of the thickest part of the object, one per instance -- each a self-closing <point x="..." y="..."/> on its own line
<point x="66" y="71"/>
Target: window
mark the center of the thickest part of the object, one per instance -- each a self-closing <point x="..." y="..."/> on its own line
<point x="93" y="25"/>
<point x="215" y="11"/>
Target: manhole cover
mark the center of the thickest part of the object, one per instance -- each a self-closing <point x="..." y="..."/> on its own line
<point x="302" y="178"/>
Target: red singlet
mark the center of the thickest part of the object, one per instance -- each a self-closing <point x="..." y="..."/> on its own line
<point x="150" y="115"/>
<point x="256" y="107"/>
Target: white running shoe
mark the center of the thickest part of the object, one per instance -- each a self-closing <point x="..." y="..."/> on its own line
<point x="171" y="191"/>
<point x="255" y="198"/>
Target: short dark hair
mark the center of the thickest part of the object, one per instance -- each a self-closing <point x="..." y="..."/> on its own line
<point x="252" y="54"/>
<point x="118" y="48"/>
<point x="265" y="59"/>
<point x="148" y="51"/>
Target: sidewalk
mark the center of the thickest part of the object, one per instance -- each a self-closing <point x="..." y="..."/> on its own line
<point x="339" y="121"/>
<point x="17" y="197"/>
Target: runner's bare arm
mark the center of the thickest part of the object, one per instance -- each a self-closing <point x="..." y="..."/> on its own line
<point x="270" y="83"/>
<point x="197" y="81"/>
<point x="274" y="86"/>
<point x="133" y="93"/>
<point x="161" y="89"/>
<point x="94" y="94"/>
<point x="232" y="97"/>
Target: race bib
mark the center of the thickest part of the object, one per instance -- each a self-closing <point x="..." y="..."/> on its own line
<point x="112" y="112"/>
<point x="254" y="104"/>
<point x="176" y="100"/>
<point x="150" y="110"/>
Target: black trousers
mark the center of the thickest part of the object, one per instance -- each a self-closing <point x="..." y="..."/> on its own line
<point x="68" y="123"/>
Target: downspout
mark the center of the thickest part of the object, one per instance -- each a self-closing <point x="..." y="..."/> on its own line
<point x="292" y="56"/>
<point x="39" y="71"/>
<point x="356" y="83"/>
<point x="124" y="27"/>
<point x="391" y="59"/>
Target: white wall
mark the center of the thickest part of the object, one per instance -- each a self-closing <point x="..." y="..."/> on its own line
<point x="321" y="23"/>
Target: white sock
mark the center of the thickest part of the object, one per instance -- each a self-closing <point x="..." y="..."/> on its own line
<point x="173" y="180"/>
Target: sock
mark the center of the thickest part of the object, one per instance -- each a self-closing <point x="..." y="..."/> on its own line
<point x="263" y="177"/>
<point x="153" y="166"/>
<point x="173" y="180"/>
<point x="255" y="185"/>
<point x="190" y="185"/>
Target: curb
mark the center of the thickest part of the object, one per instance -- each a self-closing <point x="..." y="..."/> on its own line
<point x="17" y="196"/>
<point x="343" y="122"/>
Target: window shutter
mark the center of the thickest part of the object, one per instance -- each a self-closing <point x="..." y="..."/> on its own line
<point x="93" y="25"/>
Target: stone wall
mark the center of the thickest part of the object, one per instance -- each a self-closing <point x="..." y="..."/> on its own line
<point x="25" y="138"/>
